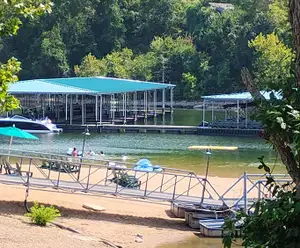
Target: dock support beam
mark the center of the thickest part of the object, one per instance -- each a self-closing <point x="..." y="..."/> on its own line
<point x="163" y="101"/>
<point x="145" y="105"/>
<point x="96" y="109"/>
<point x="212" y="112"/>
<point x="82" y="110"/>
<point x="125" y="106"/>
<point x="155" y="102"/>
<point x="171" y="99"/>
<point x="135" y="106"/>
<point x="71" y="109"/>
<point x="238" y="113"/>
<point x="66" y="110"/>
<point x="100" y="110"/>
<point x="203" y="114"/>
<point x="112" y="108"/>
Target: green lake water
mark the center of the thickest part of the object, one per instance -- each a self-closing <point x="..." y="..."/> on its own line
<point x="163" y="149"/>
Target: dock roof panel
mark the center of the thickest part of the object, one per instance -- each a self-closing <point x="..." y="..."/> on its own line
<point x="84" y="85"/>
<point x="244" y="96"/>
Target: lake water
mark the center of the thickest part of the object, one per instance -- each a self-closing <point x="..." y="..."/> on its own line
<point x="197" y="242"/>
<point x="163" y="149"/>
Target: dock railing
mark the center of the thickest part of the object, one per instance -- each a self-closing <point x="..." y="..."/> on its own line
<point x="254" y="188"/>
<point x="98" y="176"/>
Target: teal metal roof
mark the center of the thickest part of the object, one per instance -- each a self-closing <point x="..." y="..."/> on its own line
<point x="244" y="96"/>
<point x="83" y="85"/>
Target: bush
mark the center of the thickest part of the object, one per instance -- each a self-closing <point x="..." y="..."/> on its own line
<point x="41" y="215"/>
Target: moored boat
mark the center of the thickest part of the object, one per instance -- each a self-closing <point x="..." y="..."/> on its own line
<point x="30" y="126"/>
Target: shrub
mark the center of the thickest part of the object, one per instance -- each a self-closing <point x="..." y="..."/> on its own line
<point x="41" y="215"/>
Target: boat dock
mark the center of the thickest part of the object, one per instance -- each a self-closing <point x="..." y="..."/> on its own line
<point x="171" y="129"/>
<point x="97" y="177"/>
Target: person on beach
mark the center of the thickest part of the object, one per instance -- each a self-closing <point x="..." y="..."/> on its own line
<point x="75" y="152"/>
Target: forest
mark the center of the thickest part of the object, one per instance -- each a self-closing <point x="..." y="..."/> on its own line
<point x="190" y="43"/>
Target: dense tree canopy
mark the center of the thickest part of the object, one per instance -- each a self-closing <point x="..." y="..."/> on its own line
<point x="183" y="42"/>
<point x="11" y="15"/>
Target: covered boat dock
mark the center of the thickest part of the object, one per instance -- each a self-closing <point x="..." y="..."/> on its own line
<point x="237" y="109"/>
<point x="93" y="100"/>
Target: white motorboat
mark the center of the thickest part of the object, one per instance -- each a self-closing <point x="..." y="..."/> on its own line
<point x="30" y="126"/>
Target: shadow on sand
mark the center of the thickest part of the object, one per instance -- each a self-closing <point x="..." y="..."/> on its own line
<point x="17" y="208"/>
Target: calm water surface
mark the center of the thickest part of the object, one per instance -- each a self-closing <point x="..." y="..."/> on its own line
<point x="163" y="149"/>
<point x="197" y="242"/>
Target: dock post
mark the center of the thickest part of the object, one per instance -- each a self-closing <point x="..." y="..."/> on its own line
<point x="174" y="190"/>
<point x="88" y="179"/>
<point x="259" y="190"/>
<point x="135" y="106"/>
<point x="96" y="109"/>
<point x="237" y="113"/>
<point x="146" y="186"/>
<point x="100" y="114"/>
<point x="163" y="101"/>
<point x="171" y="99"/>
<point x="203" y="114"/>
<point x="82" y="110"/>
<point x="155" y="102"/>
<point x="66" y="110"/>
<point x="71" y="109"/>
<point x="124" y="109"/>
<point x="245" y="193"/>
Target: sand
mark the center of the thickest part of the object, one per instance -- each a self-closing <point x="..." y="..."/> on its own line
<point x="120" y="223"/>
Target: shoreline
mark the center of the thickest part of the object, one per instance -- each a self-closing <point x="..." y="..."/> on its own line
<point x="122" y="220"/>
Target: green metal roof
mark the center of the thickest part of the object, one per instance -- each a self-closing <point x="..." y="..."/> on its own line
<point x="83" y="85"/>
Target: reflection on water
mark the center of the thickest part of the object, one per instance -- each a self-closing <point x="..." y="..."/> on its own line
<point x="197" y="242"/>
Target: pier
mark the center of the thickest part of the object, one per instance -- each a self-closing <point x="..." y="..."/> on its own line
<point x="97" y="177"/>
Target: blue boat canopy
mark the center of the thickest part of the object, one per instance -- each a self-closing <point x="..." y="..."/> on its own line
<point x="84" y="86"/>
<point x="244" y="96"/>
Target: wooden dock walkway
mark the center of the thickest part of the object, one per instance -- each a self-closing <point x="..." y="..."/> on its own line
<point x="101" y="189"/>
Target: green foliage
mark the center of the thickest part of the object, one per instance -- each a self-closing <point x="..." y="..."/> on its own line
<point x="12" y="12"/>
<point x="167" y="39"/>
<point x="11" y="15"/>
<point x="273" y="65"/>
<point x="41" y="215"/>
<point x="279" y="17"/>
<point x="91" y="66"/>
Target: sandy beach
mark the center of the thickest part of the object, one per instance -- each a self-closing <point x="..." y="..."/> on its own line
<point x="119" y="223"/>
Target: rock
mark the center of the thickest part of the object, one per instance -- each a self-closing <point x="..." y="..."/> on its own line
<point x="139" y="238"/>
<point x="93" y="207"/>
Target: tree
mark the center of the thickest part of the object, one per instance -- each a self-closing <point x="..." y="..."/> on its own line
<point x="11" y="14"/>
<point x="275" y="224"/>
<point x="91" y="66"/>
<point x="52" y="61"/>
<point x="274" y="61"/>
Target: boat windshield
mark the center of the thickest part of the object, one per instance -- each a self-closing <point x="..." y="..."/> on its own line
<point x="19" y="117"/>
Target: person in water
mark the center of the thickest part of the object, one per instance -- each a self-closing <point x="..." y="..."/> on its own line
<point x="75" y="152"/>
<point x="102" y="154"/>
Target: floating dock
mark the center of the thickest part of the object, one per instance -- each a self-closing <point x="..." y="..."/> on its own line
<point x="114" y="128"/>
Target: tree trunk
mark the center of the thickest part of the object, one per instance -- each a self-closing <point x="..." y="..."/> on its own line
<point x="277" y="139"/>
<point x="294" y="16"/>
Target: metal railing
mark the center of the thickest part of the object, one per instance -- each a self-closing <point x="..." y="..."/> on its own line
<point x="98" y="176"/>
